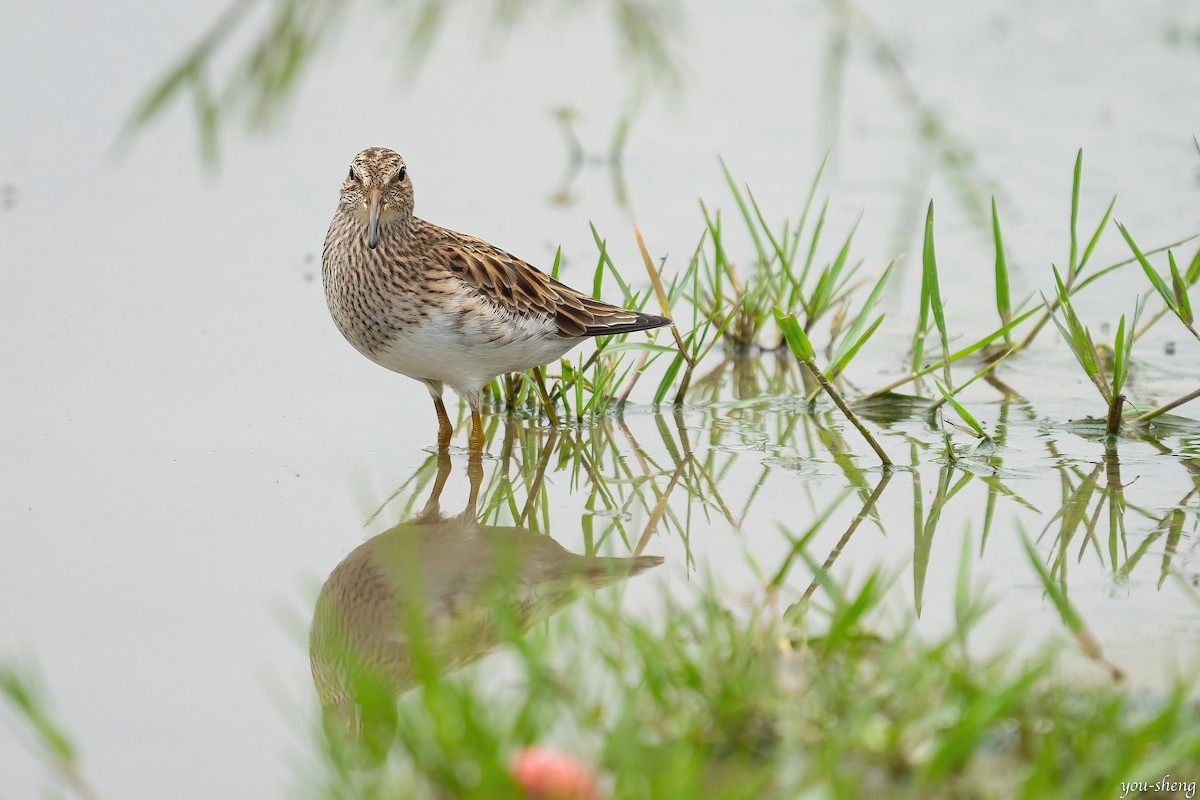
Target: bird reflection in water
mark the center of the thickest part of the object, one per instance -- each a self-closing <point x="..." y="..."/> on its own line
<point x="435" y="593"/>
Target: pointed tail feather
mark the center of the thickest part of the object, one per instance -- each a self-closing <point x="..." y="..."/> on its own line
<point x="625" y="322"/>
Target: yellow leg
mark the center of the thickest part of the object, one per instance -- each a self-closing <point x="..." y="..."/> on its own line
<point x="475" y="443"/>
<point x="445" y="429"/>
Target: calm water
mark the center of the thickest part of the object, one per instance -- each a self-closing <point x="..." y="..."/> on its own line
<point x="190" y="448"/>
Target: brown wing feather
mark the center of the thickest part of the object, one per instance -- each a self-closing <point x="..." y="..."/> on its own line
<point x="517" y="287"/>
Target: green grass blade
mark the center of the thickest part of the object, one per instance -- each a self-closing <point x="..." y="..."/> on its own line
<point x="812" y="193"/>
<point x="918" y="341"/>
<point x="824" y="294"/>
<point x="741" y="203"/>
<point x="1072" y="265"/>
<point x="1125" y="348"/>
<point x="1068" y="337"/>
<point x="962" y="412"/>
<point x="1180" y="287"/>
<point x="1078" y="338"/>
<point x="854" y="338"/>
<point x="1120" y="357"/>
<point x="1087" y="252"/>
<point x="957" y="355"/>
<point x="668" y="378"/>
<point x="606" y="261"/>
<point x="1095" y="276"/>
<point x="598" y="275"/>
<point x="991" y="365"/>
<point x="1098" y="377"/>
<point x="1003" y="293"/>
<point x="812" y="247"/>
<point x="845" y="358"/>
<point x="930" y="277"/>
<point x="784" y="261"/>
<point x="1159" y="284"/>
<point x="1193" y="271"/>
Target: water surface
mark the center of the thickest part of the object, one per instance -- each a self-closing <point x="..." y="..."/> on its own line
<point x="191" y="448"/>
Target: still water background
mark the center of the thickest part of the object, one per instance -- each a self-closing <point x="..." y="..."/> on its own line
<point x="189" y="446"/>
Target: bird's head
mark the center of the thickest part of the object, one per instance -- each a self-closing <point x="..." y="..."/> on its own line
<point x="378" y="190"/>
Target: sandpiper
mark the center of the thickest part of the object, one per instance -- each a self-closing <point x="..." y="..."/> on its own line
<point x="443" y="307"/>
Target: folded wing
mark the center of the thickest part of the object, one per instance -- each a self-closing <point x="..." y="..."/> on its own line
<point x="517" y="287"/>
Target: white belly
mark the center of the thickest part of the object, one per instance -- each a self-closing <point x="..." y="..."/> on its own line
<point x="464" y="358"/>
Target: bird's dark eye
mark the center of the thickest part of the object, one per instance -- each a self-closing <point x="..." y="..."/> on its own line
<point x="401" y="175"/>
<point x="351" y="175"/>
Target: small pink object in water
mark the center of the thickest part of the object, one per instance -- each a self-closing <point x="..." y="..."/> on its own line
<point x="550" y="775"/>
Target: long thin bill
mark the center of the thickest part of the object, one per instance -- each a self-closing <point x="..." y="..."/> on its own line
<point x="375" y="199"/>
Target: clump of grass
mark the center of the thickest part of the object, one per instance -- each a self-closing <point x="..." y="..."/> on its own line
<point x="741" y="303"/>
<point x="714" y="303"/>
<point x="783" y="274"/>
<point x="1079" y="340"/>
<point x="723" y="308"/>
<point x="931" y="307"/>
<point x="1176" y="300"/>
